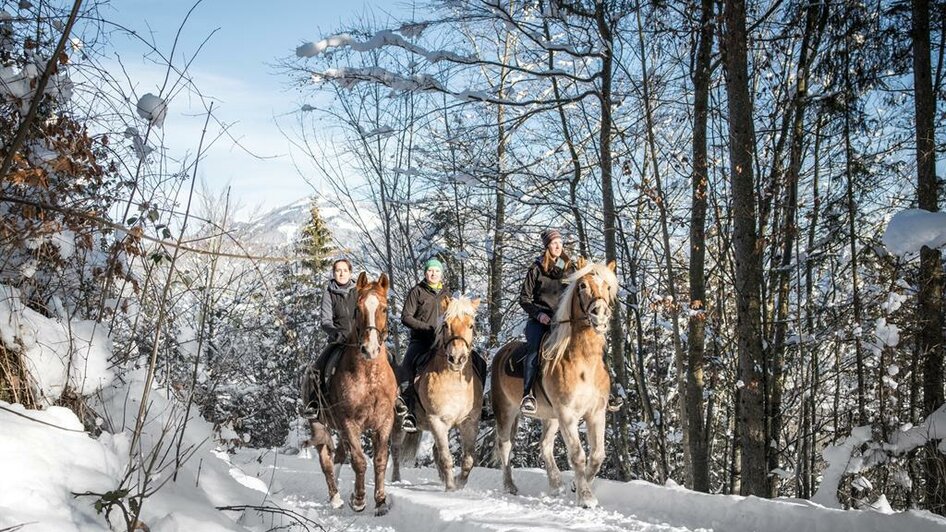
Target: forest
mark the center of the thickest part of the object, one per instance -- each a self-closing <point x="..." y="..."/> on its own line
<point x="763" y="173"/>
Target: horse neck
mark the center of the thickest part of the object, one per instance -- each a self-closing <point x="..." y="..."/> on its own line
<point x="586" y="343"/>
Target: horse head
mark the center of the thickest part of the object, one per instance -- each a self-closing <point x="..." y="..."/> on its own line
<point x="595" y="290"/>
<point x="372" y="314"/>
<point x="456" y="330"/>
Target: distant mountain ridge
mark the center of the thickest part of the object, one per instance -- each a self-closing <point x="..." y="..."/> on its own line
<point x="278" y="229"/>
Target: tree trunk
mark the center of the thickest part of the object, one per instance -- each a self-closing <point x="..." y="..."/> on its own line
<point x="783" y="272"/>
<point x="930" y="285"/>
<point x="696" y="324"/>
<point x="748" y="278"/>
<point x="603" y="20"/>
<point x="499" y="230"/>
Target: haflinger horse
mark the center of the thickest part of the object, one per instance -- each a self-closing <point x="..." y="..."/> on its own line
<point x="450" y="395"/>
<point x="360" y="398"/>
<point x="572" y="387"/>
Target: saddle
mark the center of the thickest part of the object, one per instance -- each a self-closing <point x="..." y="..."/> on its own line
<point x="315" y="383"/>
<point x="516" y="363"/>
<point x="331" y="364"/>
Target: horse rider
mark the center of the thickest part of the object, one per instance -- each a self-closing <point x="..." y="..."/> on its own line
<point x="539" y="296"/>
<point x="422" y="310"/>
<point x="337" y="314"/>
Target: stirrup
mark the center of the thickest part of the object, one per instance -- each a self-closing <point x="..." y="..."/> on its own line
<point x="409" y="424"/>
<point x="400" y="407"/>
<point x="528" y="406"/>
<point x="615" y="402"/>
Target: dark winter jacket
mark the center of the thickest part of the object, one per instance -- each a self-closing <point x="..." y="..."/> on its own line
<point x="541" y="290"/>
<point x="338" y="309"/>
<point x="421" y="310"/>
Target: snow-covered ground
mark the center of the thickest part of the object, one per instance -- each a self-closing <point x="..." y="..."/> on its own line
<point x="419" y="503"/>
<point x="47" y="460"/>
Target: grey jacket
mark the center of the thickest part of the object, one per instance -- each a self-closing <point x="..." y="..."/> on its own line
<point x="338" y="310"/>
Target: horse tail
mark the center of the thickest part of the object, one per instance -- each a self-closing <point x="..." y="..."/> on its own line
<point x="409" y="446"/>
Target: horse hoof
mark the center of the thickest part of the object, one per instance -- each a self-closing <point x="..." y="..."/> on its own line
<point x="356" y="506"/>
<point x="555" y="491"/>
<point x="381" y="509"/>
<point x="588" y="501"/>
<point x="337" y="501"/>
<point x="512" y="489"/>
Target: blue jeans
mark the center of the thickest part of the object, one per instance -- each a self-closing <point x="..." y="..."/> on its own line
<point x="534" y="333"/>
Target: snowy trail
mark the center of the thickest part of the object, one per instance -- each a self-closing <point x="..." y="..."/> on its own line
<point x="419" y="503"/>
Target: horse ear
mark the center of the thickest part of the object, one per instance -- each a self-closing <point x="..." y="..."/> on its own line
<point x="475" y="303"/>
<point x="613" y="266"/>
<point x="444" y="303"/>
<point x="362" y="281"/>
<point x="383" y="281"/>
<point x="581" y="263"/>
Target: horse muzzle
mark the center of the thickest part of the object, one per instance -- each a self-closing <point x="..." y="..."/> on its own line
<point x="370" y="350"/>
<point x="457" y="362"/>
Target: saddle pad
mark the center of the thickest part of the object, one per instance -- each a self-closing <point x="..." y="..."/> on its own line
<point x="515" y="365"/>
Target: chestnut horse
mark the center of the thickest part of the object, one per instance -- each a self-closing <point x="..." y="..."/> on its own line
<point x="450" y="394"/>
<point x="573" y="387"/>
<point x="360" y="398"/>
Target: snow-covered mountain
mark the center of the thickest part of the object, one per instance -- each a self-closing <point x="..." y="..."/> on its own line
<point x="279" y="228"/>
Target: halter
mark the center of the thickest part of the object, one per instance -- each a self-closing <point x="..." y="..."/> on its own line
<point x="457" y="337"/>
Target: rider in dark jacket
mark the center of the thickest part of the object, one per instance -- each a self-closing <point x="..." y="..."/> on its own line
<point x="423" y="307"/>
<point x="539" y="296"/>
<point x="337" y="313"/>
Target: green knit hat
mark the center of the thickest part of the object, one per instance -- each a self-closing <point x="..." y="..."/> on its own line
<point x="433" y="264"/>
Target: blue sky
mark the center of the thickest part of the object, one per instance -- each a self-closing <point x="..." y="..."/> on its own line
<point x="238" y="68"/>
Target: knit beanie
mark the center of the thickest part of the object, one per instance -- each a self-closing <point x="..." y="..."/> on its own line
<point x="433" y="264"/>
<point x="549" y="235"/>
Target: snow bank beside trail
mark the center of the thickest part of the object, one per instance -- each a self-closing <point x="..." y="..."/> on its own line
<point x="910" y="230"/>
<point x="44" y="465"/>
<point x="420" y="504"/>
<point x="203" y="482"/>
<point x="60" y="353"/>
<point x="46" y="458"/>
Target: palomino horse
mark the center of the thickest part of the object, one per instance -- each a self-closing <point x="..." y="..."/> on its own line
<point x="360" y="398"/>
<point x="574" y="385"/>
<point x="450" y="394"/>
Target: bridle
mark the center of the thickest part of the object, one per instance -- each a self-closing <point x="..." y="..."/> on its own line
<point x="585" y="310"/>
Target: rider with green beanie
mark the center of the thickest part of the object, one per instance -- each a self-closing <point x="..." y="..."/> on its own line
<point x="422" y="309"/>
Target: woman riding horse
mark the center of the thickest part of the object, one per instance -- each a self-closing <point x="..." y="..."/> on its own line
<point x="423" y="308"/>
<point x="361" y="398"/>
<point x="539" y="297"/>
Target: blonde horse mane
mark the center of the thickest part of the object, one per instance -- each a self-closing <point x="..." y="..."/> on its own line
<point x="561" y="333"/>
<point x="459" y="306"/>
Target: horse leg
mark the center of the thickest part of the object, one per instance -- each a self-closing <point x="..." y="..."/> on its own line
<point x="441" y="431"/>
<point x="397" y="440"/>
<point x="325" y="460"/>
<point x="468" y="430"/>
<point x="341" y="455"/>
<point x="358" y="463"/>
<point x="576" y="456"/>
<point x="506" y="424"/>
<point x="594" y="424"/>
<point x="549" y="431"/>
<point x="380" y="443"/>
